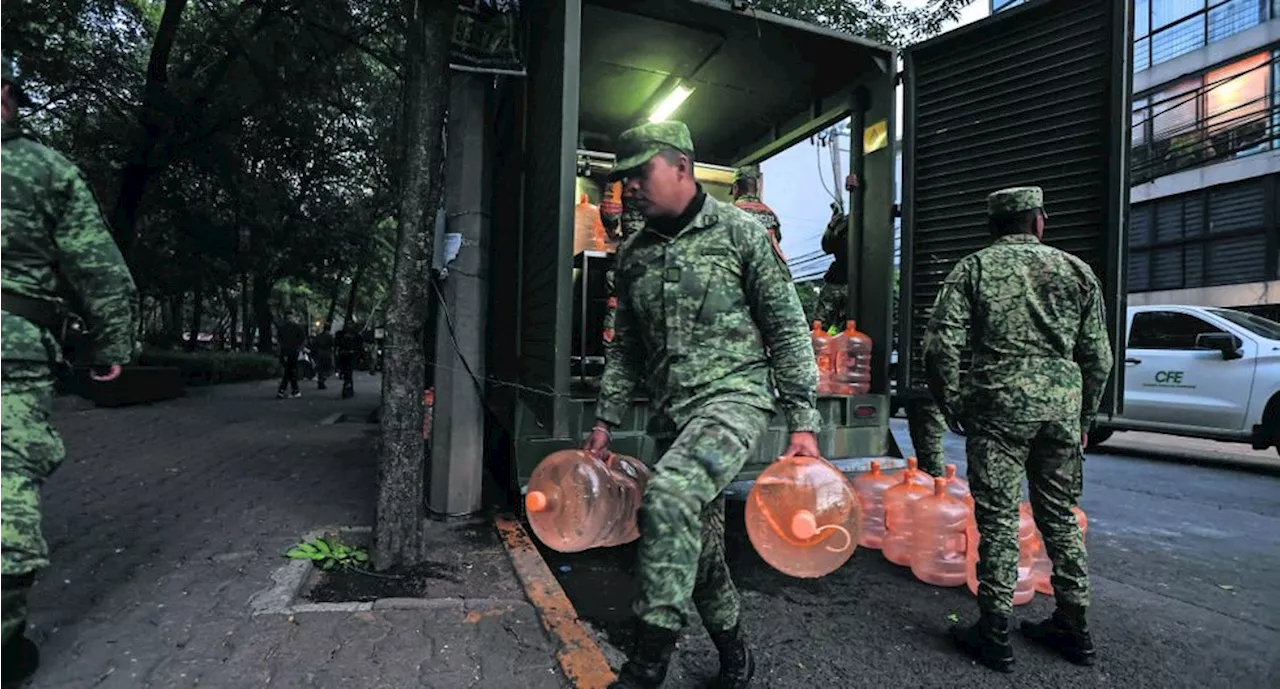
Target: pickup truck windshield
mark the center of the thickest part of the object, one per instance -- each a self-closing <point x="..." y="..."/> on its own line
<point x="1255" y="324"/>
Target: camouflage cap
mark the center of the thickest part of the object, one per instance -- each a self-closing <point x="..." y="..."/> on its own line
<point x="640" y="144"/>
<point x="1015" y="200"/>
<point x="15" y="84"/>
<point x="747" y="172"/>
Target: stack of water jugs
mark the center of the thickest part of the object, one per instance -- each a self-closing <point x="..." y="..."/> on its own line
<point x="804" y="517"/>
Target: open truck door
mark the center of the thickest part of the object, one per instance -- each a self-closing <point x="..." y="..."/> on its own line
<point x="1036" y="95"/>
<point x="753" y="84"/>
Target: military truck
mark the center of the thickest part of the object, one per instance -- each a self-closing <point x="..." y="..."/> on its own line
<point x="1034" y="95"/>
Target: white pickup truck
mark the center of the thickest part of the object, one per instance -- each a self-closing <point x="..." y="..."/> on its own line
<point x="1200" y="372"/>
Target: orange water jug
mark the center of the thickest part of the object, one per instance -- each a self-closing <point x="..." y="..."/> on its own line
<point x="803" y="517"/>
<point x="958" y="488"/>
<point x="899" y="535"/>
<point x="1028" y="543"/>
<point x="588" y="230"/>
<point x="922" y="478"/>
<point x="577" y="501"/>
<point x="940" y="524"/>
<point x="825" y="353"/>
<point x="1042" y="567"/>
<point x="852" y="361"/>
<point x="870" y="488"/>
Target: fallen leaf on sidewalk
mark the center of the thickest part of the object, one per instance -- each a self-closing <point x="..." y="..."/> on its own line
<point x="1226" y="587"/>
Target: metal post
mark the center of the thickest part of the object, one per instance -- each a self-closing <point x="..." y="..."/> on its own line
<point x="857" y="206"/>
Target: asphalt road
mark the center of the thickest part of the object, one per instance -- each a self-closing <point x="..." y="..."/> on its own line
<point x="1185" y="564"/>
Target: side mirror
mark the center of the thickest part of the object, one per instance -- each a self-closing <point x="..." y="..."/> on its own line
<point x="1223" y="342"/>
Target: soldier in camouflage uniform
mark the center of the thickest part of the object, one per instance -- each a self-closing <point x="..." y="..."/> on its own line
<point x="56" y="254"/>
<point x="927" y="427"/>
<point x="833" y="298"/>
<point x="706" y="313"/>
<point x="620" y="228"/>
<point x="746" y="195"/>
<point x="1040" y="361"/>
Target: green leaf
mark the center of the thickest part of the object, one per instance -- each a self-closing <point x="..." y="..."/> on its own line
<point x="323" y="546"/>
<point x="361" y="556"/>
<point x="328" y="565"/>
<point x="297" y="554"/>
<point x="306" y="548"/>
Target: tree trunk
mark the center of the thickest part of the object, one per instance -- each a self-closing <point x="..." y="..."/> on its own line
<point x="401" y="508"/>
<point x="351" y="296"/>
<point x="262" y="309"/>
<point x="197" y="313"/>
<point x="233" y="315"/>
<point x="333" y="302"/>
<point x="153" y="119"/>
<point x="173" y="328"/>
<point x="246" y="320"/>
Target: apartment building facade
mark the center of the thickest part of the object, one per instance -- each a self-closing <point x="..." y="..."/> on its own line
<point x="1205" y="156"/>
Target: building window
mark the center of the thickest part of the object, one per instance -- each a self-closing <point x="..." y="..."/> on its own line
<point x="1166" y="29"/>
<point x="1217" y="236"/>
<point x="997" y="5"/>
<point x="1227" y="112"/>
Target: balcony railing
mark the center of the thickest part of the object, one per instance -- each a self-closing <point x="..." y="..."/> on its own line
<point x="1242" y="130"/>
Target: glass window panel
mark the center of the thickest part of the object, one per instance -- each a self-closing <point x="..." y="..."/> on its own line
<point x="1234" y="17"/>
<point x="1236" y="105"/>
<point x="1142" y="18"/>
<point x="1177" y="40"/>
<point x="1140" y="116"/>
<point x="1174" y="109"/>
<point x="1166" y="12"/>
<point x="1142" y="55"/>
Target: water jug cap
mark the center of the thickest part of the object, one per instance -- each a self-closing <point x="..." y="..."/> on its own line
<point x="817" y="325"/>
<point x="851" y="325"/>
<point x="939" y="486"/>
<point x="951" y="471"/>
<point x="804" y="525"/>
<point x="875" y="467"/>
<point x="912" y="463"/>
<point x="535" y="501"/>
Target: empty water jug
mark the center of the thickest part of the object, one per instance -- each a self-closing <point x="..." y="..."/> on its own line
<point x="1028" y="543"/>
<point x="870" y="488"/>
<point x="1042" y="567"/>
<point x="899" y="538"/>
<point x="802" y="517"/>
<point x="852" y="361"/>
<point x="577" y="501"/>
<point x="824" y="353"/>
<point x="940" y="524"/>
<point x="958" y="488"/>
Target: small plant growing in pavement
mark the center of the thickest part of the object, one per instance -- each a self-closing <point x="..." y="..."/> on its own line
<point x="329" y="554"/>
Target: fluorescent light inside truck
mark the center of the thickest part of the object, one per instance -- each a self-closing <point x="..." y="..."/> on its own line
<point x="669" y="104"/>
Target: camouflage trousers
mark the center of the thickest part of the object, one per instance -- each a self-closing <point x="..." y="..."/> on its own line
<point x="611" y="307"/>
<point x="681" y="556"/>
<point x="32" y="449"/>
<point x="832" y="302"/>
<point x="927" y="427"/>
<point x="1048" y="453"/>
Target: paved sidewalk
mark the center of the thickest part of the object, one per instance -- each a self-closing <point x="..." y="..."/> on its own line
<point x="166" y="520"/>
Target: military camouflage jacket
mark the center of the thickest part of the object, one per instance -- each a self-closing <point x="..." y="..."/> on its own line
<point x="704" y="317"/>
<point x="1034" y="319"/>
<point x="57" y="248"/>
<point x="756" y="207"/>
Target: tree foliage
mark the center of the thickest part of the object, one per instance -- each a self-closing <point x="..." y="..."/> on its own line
<point x="893" y="22"/>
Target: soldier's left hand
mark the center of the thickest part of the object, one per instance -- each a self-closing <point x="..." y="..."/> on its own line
<point x="802" y="444"/>
<point x="104" y="374"/>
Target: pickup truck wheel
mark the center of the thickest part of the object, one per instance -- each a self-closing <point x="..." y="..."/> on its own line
<point x="1099" y="436"/>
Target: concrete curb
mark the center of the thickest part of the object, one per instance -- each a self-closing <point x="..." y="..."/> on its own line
<point x="1161" y="453"/>
<point x="580" y="658"/>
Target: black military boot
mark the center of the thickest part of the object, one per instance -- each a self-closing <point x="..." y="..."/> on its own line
<point x="20" y="658"/>
<point x="987" y="641"/>
<point x="647" y="665"/>
<point x="1066" y="632"/>
<point x="737" y="665"/>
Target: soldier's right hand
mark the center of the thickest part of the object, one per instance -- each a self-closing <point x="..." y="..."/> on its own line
<point x="597" y="444"/>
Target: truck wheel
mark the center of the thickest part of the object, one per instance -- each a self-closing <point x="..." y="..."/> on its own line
<point x="1099" y="436"/>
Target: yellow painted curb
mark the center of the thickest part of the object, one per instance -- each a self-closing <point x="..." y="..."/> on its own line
<point x="579" y="656"/>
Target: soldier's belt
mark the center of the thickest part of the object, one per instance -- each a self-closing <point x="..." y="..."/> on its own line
<point x="45" y="314"/>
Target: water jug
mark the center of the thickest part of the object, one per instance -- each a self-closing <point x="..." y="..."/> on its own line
<point x="852" y="361"/>
<point x="802" y="517"/>
<point x="1042" y="567"/>
<point x="825" y="354"/>
<point x="1028" y="543"/>
<point x="898" y="525"/>
<point x="917" y="475"/>
<point x="577" y="501"/>
<point x="940" y="523"/>
<point x="958" y="488"/>
<point x="870" y="488"/>
<point x="588" y="230"/>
